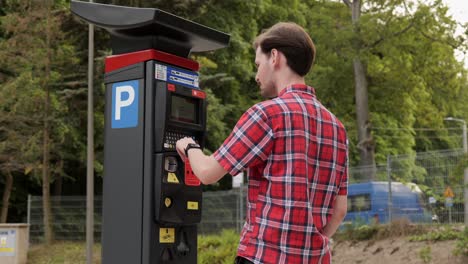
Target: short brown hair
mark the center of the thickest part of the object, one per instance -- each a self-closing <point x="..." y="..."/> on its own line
<point x="292" y="40"/>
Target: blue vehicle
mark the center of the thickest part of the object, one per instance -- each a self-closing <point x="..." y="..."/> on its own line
<point x="368" y="203"/>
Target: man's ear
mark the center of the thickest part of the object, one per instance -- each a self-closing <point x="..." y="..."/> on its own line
<point x="275" y="57"/>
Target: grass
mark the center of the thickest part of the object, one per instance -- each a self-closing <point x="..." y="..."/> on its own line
<point x="212" y="249"/>
<point x="221" y="248"/>
<point x="397" y="228"/>
<point x="62" y="253"/>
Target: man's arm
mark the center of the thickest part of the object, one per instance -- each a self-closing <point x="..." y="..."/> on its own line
<point x="340" y="208"/>
<point x="206" y="168"/>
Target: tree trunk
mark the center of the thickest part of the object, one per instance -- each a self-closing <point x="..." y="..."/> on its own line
<point x="6" y="196"/>
<point x="366" y="143"/>
<point x="48" y="235"/>
<point x="58" y="182"/>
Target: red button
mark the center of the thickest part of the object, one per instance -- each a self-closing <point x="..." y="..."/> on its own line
<point x="171" y="87"/>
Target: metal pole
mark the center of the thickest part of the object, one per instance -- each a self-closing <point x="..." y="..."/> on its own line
<point x="29" y="218"/>
<point x="465" y="175"/>
<point x="29" y="209"/>
<point x="450" y="215"/>
<point x="237" y="213"/>
<point x="389" y="176"/>
<point x="465" y="144"/>
<point x="90" y="151"/>
<point x="241" y="206"/>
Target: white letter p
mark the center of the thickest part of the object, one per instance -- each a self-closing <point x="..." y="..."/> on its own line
<point x="118" y="98"/>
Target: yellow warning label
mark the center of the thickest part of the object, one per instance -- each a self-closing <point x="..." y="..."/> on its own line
<point x="172" y="178"/>
<point x="166" y="235"/>
<point x="448" y="193"/>
<point x="192" y="205"/>
<point x="167" y="202"/>
<point x="7" y="250"/>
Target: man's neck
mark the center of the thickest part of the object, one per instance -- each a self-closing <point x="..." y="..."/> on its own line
<point x="282" y="84"/>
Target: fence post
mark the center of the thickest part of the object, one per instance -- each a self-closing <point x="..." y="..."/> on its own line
<point x="389" y="176"/>
<point x="237" y="212"/>
<point x="241" y="207"/>
<point x="29" y="209"/>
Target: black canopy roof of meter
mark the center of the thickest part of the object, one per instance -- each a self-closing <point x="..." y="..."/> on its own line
<point x="134" y="29"/>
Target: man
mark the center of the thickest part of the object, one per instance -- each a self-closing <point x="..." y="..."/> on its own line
<point x="296" y="153"/>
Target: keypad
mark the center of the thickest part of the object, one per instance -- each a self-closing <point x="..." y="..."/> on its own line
<point x="171" y="137"/>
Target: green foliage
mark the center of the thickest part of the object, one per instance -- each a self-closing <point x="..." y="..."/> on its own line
<point x="442" y="234"/>
<point x="461" y="247"/>
<point x="218" y="249"/>
<point x="358" y="232"/>
<point x="62" y="253"/>
<point x="425" y="254"/>
<point x="212" y="249"/>
<point x="457" y="175"/>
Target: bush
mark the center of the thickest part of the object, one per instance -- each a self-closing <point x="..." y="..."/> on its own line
<point x="425" y="254"/>
<point x="442" y="234"/>
<point x="357" y="233"/>
<point x="462" y="243"/>
<point x="219" y="248"/>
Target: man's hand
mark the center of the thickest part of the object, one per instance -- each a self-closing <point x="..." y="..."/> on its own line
<point x="181" y="145"/>
<point x="340" y="207"/>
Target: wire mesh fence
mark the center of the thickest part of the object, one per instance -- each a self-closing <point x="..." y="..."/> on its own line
<point x="413" y="187"/>
<point x="68" y="218"/>
<point x="221" y="210"/>
<point x="420" y="187"/>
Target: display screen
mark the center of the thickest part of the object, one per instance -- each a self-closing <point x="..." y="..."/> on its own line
<point x="184" y="109"/>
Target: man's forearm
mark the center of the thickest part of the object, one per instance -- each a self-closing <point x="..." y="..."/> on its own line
<point x="206" y="168"/>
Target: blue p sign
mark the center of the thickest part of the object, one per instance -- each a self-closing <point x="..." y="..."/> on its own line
<point x="125" y="104"/>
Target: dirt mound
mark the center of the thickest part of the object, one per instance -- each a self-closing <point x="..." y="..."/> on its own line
<point x="395" y="250"/>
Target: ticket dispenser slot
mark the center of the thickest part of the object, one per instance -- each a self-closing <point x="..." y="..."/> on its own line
<point x="177" y="243"/>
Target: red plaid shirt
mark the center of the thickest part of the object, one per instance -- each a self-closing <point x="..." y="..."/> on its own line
<point x="296" y="153"/>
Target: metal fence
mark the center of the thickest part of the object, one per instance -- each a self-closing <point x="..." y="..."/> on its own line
<point x="430" y="174"/>
<point x="221" y="210"/>
<point x="68" y="218"/>
<point x="436" y="177"/>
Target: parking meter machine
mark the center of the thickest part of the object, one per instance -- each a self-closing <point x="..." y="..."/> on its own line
<point x="152" y="201"/>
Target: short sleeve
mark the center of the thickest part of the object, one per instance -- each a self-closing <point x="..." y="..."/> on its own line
<point x="343" y="188"/>
<point x="249" y="143"/>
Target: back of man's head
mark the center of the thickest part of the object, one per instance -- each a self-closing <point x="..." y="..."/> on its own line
<point x="291" y="40"/>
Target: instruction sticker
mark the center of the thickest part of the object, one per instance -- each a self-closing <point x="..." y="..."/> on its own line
<point x="7" y="242"/>
<point x="160" y="72"/>
<point x="176" y="76"/>
<point x="166" y="235"/>
<point x="182" y="77"/>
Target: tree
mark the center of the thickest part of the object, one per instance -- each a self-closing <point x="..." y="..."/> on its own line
<point x="44" y="62"/>
<point x="413" y="79"/>
<point x="15" y="136"/>
<point x="365" y="143"/>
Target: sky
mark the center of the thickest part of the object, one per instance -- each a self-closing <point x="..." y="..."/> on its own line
<point x="459" y="10"/>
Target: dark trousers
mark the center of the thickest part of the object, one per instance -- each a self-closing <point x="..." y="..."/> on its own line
<point x="241" y="260"/>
